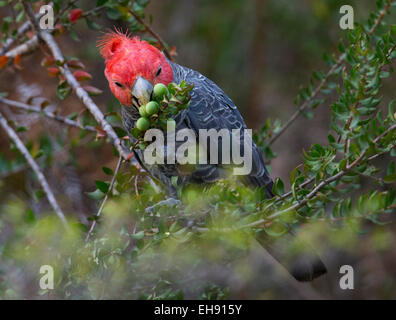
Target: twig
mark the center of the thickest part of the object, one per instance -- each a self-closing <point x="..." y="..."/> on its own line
<point x="73" y="83"/>
<point x="67" y="121"/>
<point x="21" y="31"/>
<point x="10" y="41"/>
<point x="331" y="179"/>
<point x="154" y="34"/>
<point x="24" y="48"/>
<point x="301" y="108"/>
<point x="309" y="196"/>
<point x="31" y="44"/>
<point x="40" y="176"/>
<point x="338" y="63"/>
<point x="105" y="198"/>
<point x="62" y="11"/>
<point x="380" y="17"/>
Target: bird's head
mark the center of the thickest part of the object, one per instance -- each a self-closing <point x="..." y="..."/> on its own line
<point x="133" y="67"/>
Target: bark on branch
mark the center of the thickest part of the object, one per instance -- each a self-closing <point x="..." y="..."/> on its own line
<point x="40" y="176"/>
<point x="49" y="40"/>
<point x="50" y="115"/>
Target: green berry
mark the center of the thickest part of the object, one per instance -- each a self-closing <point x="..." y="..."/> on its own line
<point x="170" y="125"/>
<point x="160" y="90"/>
<point x="143" y="124"/>
<point x="152" y="107"/>
<point x="142" y="111"/>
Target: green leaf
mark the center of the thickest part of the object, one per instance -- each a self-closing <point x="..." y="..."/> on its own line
<point x="102" y="186"/>
<point x="278" y="187"/>
<point x="92" y="24"/>
<point x="63" y="91"/>
<point x="39" y="194"/>
<point x="96" y="195"/>
<point x="107" y="171"/>
<point x="276" y="229"/>
<point x="390" y="178"/>
<point x="138" y="236"/>
<point x="113" y="14"/>
<point x="30" y="218"/>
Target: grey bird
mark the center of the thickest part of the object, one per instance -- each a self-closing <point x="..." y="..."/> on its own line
<point x="133" y="67"/>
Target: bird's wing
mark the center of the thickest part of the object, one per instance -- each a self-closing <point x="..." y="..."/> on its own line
<point x="211" y="108"/>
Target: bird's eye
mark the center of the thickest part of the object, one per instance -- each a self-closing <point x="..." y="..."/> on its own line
<point x="158" y="72"/>
<point x="118" y="84"/>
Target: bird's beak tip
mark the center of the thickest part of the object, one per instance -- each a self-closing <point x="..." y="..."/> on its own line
<point x="141" y="91"/>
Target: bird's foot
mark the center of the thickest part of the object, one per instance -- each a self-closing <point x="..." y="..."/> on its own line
<point x="171" y="202"/>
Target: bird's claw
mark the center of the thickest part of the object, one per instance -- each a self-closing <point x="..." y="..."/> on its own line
<point x="171" y="202"/>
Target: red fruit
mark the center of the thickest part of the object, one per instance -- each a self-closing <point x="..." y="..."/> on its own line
<point x="75" y="14"/>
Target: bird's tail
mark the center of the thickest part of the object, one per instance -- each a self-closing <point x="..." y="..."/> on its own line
<point x="299" y="259"/>
<point x="297" y="256"/>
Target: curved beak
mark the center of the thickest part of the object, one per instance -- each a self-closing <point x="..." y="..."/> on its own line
<point x="141" y="92"/>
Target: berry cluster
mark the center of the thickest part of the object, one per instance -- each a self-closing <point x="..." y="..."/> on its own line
<point x="167" y="103"/>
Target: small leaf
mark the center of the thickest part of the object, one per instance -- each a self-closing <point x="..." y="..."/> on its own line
<point x="47" y="61"/>
<point x="17" y="62"/>
<point x="107" y="171"/>
<point x="96" y="195"/>
<point x="278" y="188"/>
<point x="92" y="91"/>
<point x="53" y="71"/>
<point x="390" y="178"/>
<point x="76" y="64"/>
<point x="30" y="218"/>
<point x="3" y="61"/>
<point x="138" y="236"/>
<point x="39" y="194"/>
<point x="63" y="91"/>
<point x="82" y="75"/>
<point x="75" y="14"/>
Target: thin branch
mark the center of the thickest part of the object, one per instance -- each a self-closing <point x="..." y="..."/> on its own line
<point x="75" y="85"/>
<point x="33" y="43"/>
<point x="301" y="108"/>
<point x="24" y="48"/>
<point x="332" y="178"/>
<point x="338" y="63"/>
<point x="380" y="17"/>
<point x="25" y="107"/>
<point x="40" y="176"/>
<point x="154" y="34"/>
<point x="10" y="41"/>
<point x="20" y="32"/>
<point x="105" y="199"/>
<point x="310" y="195"/>
<point x="62" y="11"/>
